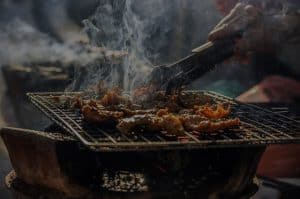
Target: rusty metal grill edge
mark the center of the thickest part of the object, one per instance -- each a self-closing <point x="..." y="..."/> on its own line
<point x="259" y="127"/>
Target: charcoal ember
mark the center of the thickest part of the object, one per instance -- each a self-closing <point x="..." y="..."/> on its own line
<point x="123" y="181"/>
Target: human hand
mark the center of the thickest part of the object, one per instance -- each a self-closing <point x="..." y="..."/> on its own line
<point x="258" y="35"/>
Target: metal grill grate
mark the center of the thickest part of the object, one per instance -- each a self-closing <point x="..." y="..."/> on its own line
<point x="259" y="127"/>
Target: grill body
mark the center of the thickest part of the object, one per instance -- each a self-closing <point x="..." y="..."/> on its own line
<point x="199" y="173"/>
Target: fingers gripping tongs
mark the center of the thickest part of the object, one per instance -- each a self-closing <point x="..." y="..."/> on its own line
<point x="200" y="61"/>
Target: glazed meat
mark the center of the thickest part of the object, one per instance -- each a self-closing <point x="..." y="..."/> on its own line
<point x="169" y="124"/>
<point x="172" y="125"/>
<point x="131" y="112"/>
<point x="208" y="111"/>
<point x="112" y="97"/>
<point x="148" y="121"/>
<point x="93" y="115"/>
<point x="169" y="114"/>
<point x="194" y="122"/>
<point x="220" y="125"/>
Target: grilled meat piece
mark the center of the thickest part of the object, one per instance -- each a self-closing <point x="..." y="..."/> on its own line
<point x="172" y="102"/>
<point x="169" y="124"/>
<point x="97" y="116"/>
<point x="144" y="93"/>
<point x="131" y="112"/>
<point x="208" y="111"/>
<point x="162" y="112"/>
<point x="115" y="97"/>
<point x="221" y="125"/>
<point x="203" y="124"/>
<point x="149" y="121"/>
<point x="194" y="122"/>
<point x="80" y="103"/>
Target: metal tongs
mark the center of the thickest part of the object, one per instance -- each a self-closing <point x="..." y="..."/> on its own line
<point x="201" y="60"/>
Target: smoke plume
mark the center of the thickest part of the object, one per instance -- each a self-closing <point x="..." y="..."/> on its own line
<point x="151" y="32"/>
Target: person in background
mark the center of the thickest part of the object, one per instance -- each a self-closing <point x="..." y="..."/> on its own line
<point x="271" y="31"/>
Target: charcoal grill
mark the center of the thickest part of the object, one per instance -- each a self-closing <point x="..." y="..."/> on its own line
<point x="195" y="167"/>
<point x="259" y="127"/>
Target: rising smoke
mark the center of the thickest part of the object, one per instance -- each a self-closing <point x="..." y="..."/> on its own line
<point x="151" y="32"/>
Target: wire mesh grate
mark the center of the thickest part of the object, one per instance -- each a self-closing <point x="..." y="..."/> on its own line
<point x="259" y="127"/>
